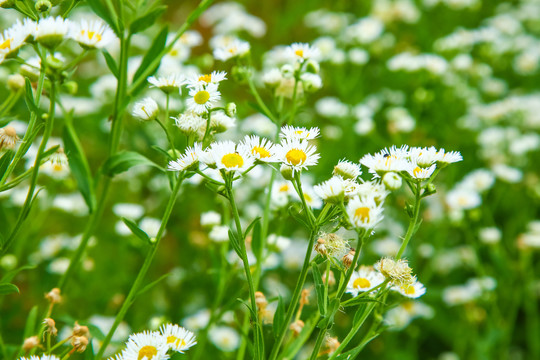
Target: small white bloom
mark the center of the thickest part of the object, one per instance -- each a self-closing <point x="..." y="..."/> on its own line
<point x="188" y="160"/>
<point x="331" y="191"/>
<point x="228" y="156"/>
<point x="146" y="109"/>
<point x="298" y="154"/>
<point x="224" y="338"/>
<point x="300" y="133"/>
<point x="412" y="291"/>
<point x="167" y="84"/>
<point x="178" y="338"/>
<point x="364" y="212"/>
<point x="203" y="98"/>
<point x="261" y="148"/>
<point x="347" y="170"/>
<point x="215" y="77"/>
<point x="92" y="34"/>
<point x="365" y="279"/>
<point x="303" y="52"/>
<point x="51" y="31"/>
<point x="146" y="346"/>
<point x="231" y="49"/>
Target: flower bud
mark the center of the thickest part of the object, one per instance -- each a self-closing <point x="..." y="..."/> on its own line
<point x="312" y="67"/>
<point x="8" y="4"/>
<point x="392" y="181"/>
<point x="54" y="63"/>
<point x="260" y="300"/>
<point x="430" y="190"/>
<point x="287" y="71"/>
<point x="15" y="82"/>
<point x="43" y="6"/>
<point x="287" y="172"/>
<point x="230" y="109"/>
<point x="71" y="87"/>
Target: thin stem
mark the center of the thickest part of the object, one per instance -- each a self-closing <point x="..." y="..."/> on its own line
<point x="259" y="100"/>
<point x="412" y="224"/>
<point x="168" y="127"/>
<point x="10" y="101"/>
<point x="144" y="269"/>
<point x="169" y="139"/>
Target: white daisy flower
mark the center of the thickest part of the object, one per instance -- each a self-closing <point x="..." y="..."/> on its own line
<point x="445" y="158"/>
<point x="146" y="109"/>
<point x="189" y="122"/>
<point x="300" y="133"/>
<point x="11" y="41"/>
<point x="178" y="338"/>
<point x="331" y="191"/>
<point x="298" y="154"/>
<point x="228" y="156"/>
<point x="94" y="34"/>
<point x="393" y="159"/>
<point x="191" y="38"/>
<point x="187" y="160"/>
<point x="57" y="165"/>
<point x="364" y="212"/>
<point x="51" y="31"/>
<point x="420" y="173"/>
<point x="215" y="77"/>
<point x="365" y="279"/>
<point x="203" y="98"/>
<point x="260" y="148"/>
<point x="224" y="338"/>
<point x="367" y="189"/>
<point x="423" y="157"/>
<point x="302" y="52"/>
<point x="347" y="170"/>
<point x="146" y="346"/>
<point x="231" y="49"/>
<point x="167" y="84"/>
<point x="413" y="291"/>
<point x="220" y="122"/>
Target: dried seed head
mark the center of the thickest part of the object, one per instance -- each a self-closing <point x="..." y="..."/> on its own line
<point x="79" y="343"/>
<point x="80" y="330"/>
<point x="30" y="343"/>
<point x="320" y="247"/>
<point x="335" y="244"/>
<point x="8" y="138"/>
<point x="347" y="260"/>
<point x="331" y="344"/>
<point x="260" y="300"/>
<point x="296" y="327"/>
<point x="50" y="326"/>
<point x="54" y="296"/>
<point x="399" y="272"/>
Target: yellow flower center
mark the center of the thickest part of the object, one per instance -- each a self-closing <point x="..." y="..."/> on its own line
<point x="148" y="352"/>
<point x="417" y="171"/>
<point x="263" y="153"/>
<point x="296" y="156"/>
<point x="5" y="45"/>
<point x="201" y="97"/>
<point x="362" y="213"/>
<point x="299" y="53"/>
<point x="361" y="283"/>
<point x="232" y="160"/>
<point x="57" y="167"/>
<point x="91" y="34"/>
<point x="284" y="188"/>
<point x="178" y="342"/>
<point x="206" y="78"/>
<point x="308" y="198"/>
<point x="173" y="52"/>
<point x="409" y="290"/>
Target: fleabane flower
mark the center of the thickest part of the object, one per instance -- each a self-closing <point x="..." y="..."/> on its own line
<point x="57" y="165"/>
<point x="230" y="49"/>
<point x="297" y="154"/>
<point x="93" y="34"/>
<point x="203" y="98"/>
<point x="420" y="173"/>
<point x="168" y="84"/>
<point x="189" y="122"/>
<point x="413" y="291"/>
<point x="302" y="52"/>
<point x="215" y="77"/>
<point x="51" y="31"/>
<point x="365" y="279"/>
<point x="178" y="338"/>
<point x="444" y="158"/>
<point x="364" y="212"/>
<point x="331" y="191"/>
<point x="230" y="157"/>
<point x="261" y="149"/>
<point x="347" y="170"/>
<point x="10" y="42"/>
<point x="146" y="346"/>
<point x="393" y="159"/>
<point x="188" y="160"/>
<point x="300" y="133"/>
<point x="146" y="109"/>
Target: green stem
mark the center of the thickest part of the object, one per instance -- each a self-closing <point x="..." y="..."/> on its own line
<point x="247" y="269"/>
<point x="168" y="126"/>
<point x="260" y="101"/>
<point x="169" y="139"/>
<point x="10" y="101"/>
<point x="144" y="269"/>
<point x="412" y="224"/>
<point x="39" y="157"/>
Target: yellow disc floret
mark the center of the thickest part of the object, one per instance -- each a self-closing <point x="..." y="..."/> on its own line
<point x="148" y="352"/>
<point x="201" y="97"/>
<point x="362" y="213"/>
<point x="263" y="153"/>
<point x="232" y="160"/>
<point x="361" y="283"/>
<point x="296" y="156"/>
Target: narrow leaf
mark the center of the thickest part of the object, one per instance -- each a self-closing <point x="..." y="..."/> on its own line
<point x="157" y="47"/>
<point x="152" y="284"/>
<point x="110" y="63"/>
<point x="137" y="231"/>
<point x="125" y="160"/>
<point x="144" y="22"/>
<point x="256" y="241"/>
<point x="5" y="160"/>
<point x="12" y="273"/>
<point x="7" y="288"/>
<point x="319" y="289"/>
<point x="279" y="317"/>
<point x="235" y="243"/>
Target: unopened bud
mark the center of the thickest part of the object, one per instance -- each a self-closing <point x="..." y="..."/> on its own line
<point x="230" y="109"/>
<point x="296" y="327"/>
<point x="312" y="67"/>
<point x="30" y="343"/>
<point x="331" y="344"/>
<point x="8" y="4"/>
<point x="54" y="296"/>
<point x="287" y="172"/>
<point x="392" y="181"/>
<point x="430" y="190"/>
<point x="15" y="82"/>
<point x="43" y="6"/>
<point x="287" y="71"/>
<point x="54" y="63"/>
<point x="71" y="87"/>
<point x="347" y="260"/>
<point x="304" y="297"/>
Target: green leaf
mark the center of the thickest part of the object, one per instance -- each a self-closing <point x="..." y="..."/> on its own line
<point x="157" y="47"/>
<point x="279" y="317"/>
<point x="5" y="160"/>
<point x="89" y="352"/>
<point x="7" y="288"/>
<point x="12" y="273"/>
<point x="256" y="241"/>
<point x="100" y="10"/>
<point x="162" y="152"/>
<point x="328" y="320"/>
<point x="30" y="327"/>
<point x="150" y="18"/>
<point x="235" y="243"/>
<point x="79" y="165"/>
<point x="29" y="97"/>
<point x="110" y="63"/>
<point x="151" y="285"/>
<point x="125" y="160"/>
<point x="319" y="289"/>
<point x="137" y="231"/>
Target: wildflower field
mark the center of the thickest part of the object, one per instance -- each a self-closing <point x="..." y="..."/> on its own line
<point x="269" y="179"/>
